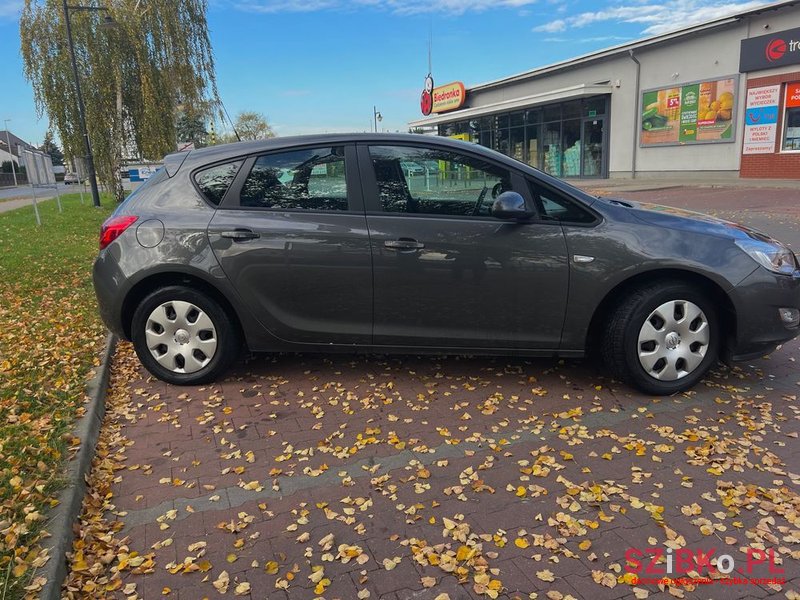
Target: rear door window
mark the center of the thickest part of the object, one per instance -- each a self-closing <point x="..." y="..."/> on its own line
<point x="307" y="179"/>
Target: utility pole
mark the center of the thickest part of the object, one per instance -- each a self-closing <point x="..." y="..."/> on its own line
<point x="81" y="107"/>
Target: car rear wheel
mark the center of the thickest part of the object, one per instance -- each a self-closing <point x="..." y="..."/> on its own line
<point x="183" y="336"/>
<point x="663" y="338"/>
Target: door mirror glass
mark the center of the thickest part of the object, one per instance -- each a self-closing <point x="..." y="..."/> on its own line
<point x="510" y="205"/>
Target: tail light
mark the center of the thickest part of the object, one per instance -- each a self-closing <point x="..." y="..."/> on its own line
<point x="114" y="227"/>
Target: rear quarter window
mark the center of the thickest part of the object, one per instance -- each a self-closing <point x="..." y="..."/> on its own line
<point x="214" y="181"/>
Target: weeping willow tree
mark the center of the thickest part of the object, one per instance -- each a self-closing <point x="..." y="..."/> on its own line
<point x="140" y="70"/>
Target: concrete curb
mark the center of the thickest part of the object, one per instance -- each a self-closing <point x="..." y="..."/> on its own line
<point x="63" y="517"/>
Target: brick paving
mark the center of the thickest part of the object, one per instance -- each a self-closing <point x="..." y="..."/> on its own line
<point x="545" y="472"/>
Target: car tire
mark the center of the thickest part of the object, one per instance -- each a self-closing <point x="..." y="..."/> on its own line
<point x="184" y="336"/>
<point x="662" y="338"/>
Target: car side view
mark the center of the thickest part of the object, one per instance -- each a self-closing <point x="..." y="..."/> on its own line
<point x="409" y="243"/>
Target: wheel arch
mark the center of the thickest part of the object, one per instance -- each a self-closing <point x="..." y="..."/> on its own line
<point x="161" y="279"/>
<point x="726" y="310"/>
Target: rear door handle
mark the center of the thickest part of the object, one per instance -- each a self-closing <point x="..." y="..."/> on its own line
<point x="403" y="244"/>
<point x="240" y="235"/>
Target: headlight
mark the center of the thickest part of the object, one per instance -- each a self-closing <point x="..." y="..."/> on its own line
<point x="771" y="255"/>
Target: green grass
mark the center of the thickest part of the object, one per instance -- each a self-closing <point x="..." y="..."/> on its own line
<point x="50" y="339"/>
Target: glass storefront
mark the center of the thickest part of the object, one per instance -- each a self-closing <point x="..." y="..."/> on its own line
<point x="566" y="140"/>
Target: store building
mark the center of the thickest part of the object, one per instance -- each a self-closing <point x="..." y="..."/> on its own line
<point x="717" y="99"/>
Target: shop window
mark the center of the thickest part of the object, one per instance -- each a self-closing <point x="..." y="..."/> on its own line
<point x="791" y="120"/>
<point x="532" y="117"/>
<point x="312" y="179"/>
<point x="501" y="142"/>
<point x="571" y="110"/>
<point x="532" y="135"/>
<point x="551" y="146"/>
<point x="594" y="107"/>
<point x="552" y="112"/>
<point x="517" y="119"/>
<point x="517" y="143"/>
<point x="791" y="137"/>
<point x="571" y="155"/>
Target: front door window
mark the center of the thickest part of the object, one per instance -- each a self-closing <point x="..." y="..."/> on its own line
<point x="435" y="182"/>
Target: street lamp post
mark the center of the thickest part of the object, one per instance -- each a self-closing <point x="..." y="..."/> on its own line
<point x="81" y="107"/>
<point x="376" y="117"/>
<point x="8" y="142"/>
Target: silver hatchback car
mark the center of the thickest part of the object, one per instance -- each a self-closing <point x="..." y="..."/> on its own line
<point x="332" y="243"/>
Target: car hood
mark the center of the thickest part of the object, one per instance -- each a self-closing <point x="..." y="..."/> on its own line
<point x="679" y="218"/>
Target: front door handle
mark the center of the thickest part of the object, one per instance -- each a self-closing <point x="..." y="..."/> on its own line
<point x="403" y="244"/>
<point x="240" y="235"/>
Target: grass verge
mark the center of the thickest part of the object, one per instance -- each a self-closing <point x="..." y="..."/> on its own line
<point x="50" y="339"/>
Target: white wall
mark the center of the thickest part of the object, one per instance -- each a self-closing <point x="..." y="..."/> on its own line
<point x="700" y="57"/>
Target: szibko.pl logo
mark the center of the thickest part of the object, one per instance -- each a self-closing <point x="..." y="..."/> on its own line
<point x="777" y="48"/>
<point x="647" y="561"/>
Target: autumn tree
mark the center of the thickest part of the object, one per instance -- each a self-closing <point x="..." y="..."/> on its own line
<point x="134" y="75"/>
<point x="251" y="125"/>
<point x="192" y="128"/>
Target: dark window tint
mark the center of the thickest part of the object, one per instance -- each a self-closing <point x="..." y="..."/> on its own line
<point x="216" y="180"/>
<point x="436" y="182"/>
<point x="555" y="207"/>
<point x="791" y="138"/>
<point x="310" y="179"/>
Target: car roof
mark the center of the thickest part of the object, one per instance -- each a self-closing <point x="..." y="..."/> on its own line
<point x="213" y="154"/>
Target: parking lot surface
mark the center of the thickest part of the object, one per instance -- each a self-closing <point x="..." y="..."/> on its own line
<point x="411" y="477"/>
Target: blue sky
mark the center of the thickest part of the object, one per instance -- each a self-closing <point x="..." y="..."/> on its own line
<point x="321" y="65"/>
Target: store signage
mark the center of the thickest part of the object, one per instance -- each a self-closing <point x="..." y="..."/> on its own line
<point x="769" y="51"/>
<point x="693" y="113"/>
<point x="426" y="100"/>
<point x="792" y="95"/>
<point x="448" y="97"/>
<point x="761" y="119"/>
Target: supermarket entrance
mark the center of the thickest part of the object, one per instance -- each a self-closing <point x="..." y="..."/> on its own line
<point x="568" y="139"/>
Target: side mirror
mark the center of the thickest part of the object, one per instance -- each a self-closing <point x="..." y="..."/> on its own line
<point x="510" y="205"/>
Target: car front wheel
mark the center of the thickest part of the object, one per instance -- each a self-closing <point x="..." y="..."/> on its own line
<point x="663" y="338"/>
<point x="183" y="336"/>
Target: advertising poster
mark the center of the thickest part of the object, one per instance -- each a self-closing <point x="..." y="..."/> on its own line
<point x="693" y="113"/>
<point x="761" y="119"/>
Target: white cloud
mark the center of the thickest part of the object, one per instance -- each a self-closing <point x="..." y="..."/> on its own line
<point x="553" y="26"/>
<point x="656" y="18"/>
<point x="400" y="7"/>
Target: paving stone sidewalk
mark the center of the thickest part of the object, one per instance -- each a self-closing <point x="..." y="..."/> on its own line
<point x="409" y="477"/>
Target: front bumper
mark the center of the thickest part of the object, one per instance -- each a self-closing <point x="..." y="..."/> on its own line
<point x="757" y="300"/>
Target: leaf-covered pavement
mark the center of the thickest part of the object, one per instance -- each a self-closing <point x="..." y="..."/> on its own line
<point x="50" y="338"/>
<point x="490" y="477"/>
<point x="351" y="477"/>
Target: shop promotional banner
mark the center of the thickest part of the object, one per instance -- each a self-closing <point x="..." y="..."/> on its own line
<point x="778" y="49"/>
<point x="693" y="113"/>
<point x="761" y="119"/>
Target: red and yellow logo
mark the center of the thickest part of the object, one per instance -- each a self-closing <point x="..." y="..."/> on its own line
<point x="448" y="97"/>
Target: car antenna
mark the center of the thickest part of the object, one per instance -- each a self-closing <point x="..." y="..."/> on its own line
<point x="236" y="133"/>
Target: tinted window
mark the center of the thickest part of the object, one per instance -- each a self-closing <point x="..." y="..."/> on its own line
<point x="435" y="182"/>
<point x="555" y="207"/>
<point x="216" y="180"/>
<point x="309" y="179"/>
